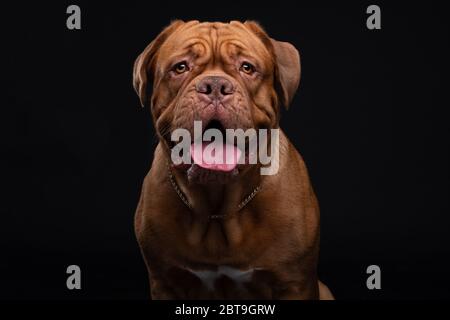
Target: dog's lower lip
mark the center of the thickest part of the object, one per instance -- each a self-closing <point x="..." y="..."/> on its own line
<point x="195" y="173"/>
<point x="181" y="166"/>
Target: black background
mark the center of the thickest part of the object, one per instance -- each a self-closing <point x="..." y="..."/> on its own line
<point x="369" y="119"/>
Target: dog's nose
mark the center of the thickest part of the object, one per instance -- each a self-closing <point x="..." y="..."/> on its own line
<point x="215" y="87"/>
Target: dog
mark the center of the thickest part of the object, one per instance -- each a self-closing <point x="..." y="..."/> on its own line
<point x="208" y="233"/>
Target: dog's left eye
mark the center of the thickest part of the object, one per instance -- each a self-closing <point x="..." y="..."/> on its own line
<point x="181" y="67"/>
<point x="247" y="68"/>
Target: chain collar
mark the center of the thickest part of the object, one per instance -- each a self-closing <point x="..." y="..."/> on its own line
<point x="214" y="216"/>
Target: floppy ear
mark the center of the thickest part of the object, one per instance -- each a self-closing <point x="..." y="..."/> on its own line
<point x="145" y="62"/>
<point x="288" y="70"/>
<point x="287" y="63"/>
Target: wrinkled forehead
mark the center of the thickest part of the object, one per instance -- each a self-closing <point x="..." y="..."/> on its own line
<point x="213" y="39"/>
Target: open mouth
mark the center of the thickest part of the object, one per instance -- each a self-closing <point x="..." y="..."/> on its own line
<point x="211" y="157"/>
<point x="215" y="124"/>
<point x="216" y="154"/>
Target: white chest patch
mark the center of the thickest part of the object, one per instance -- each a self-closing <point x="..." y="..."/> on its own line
<point x="209" y="277"/>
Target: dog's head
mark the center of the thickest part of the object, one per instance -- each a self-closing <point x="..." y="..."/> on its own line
<point x="227" y="75"/>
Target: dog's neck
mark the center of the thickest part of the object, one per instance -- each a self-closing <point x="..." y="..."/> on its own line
<point x="219" y="200"/>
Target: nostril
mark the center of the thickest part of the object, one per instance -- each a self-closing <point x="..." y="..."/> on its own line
<point x="223" y="90"/>
<point x="204" y="87"/>
<point x="208" y="89"/>
<point x="226" y="89"/>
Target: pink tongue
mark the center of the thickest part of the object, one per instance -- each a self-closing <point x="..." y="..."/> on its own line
<point x="215" y="155"/>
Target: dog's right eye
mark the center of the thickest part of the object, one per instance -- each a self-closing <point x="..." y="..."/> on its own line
<point x="247" y="68"/>
<point x="181" y="67"/>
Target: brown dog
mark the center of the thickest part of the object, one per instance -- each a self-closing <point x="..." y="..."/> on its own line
<point x="213" y="234"/>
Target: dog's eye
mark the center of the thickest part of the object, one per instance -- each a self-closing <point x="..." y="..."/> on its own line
<point x="247" y="68"/>
<point x="181" y="67"/>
